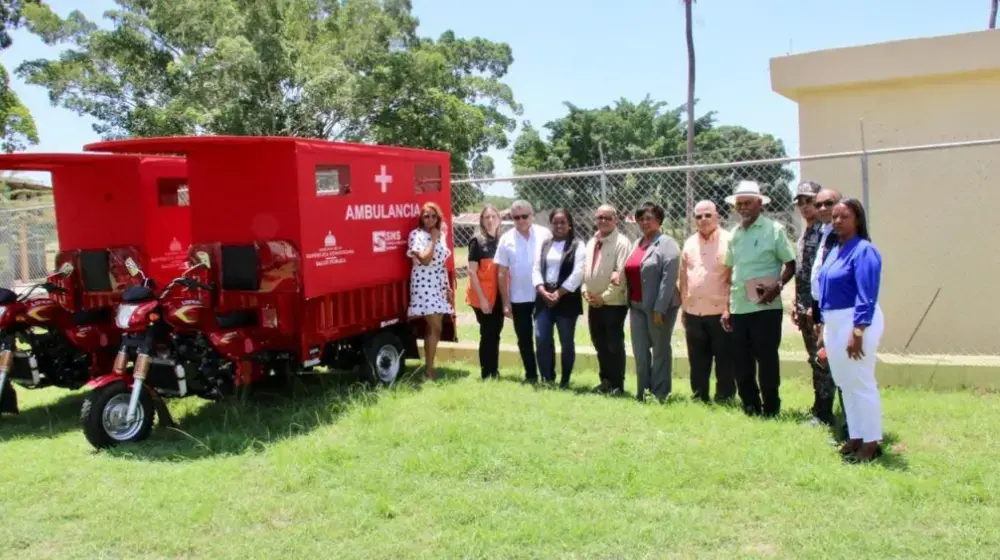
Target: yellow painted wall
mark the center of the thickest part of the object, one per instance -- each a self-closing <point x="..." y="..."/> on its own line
<point x="933" y="213"/>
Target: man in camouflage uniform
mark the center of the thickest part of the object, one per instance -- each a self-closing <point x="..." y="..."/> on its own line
<point x="824" y="388"/>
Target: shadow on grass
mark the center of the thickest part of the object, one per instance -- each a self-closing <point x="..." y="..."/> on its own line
<point x="234" y="427"/>
<point x="43" y="420"/>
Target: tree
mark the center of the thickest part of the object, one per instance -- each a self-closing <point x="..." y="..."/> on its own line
<point x="17" y="128"/>
<point x="11" y="18"/>
<point x="352" y="70"/>
<point x="689" y="35"/>
<point x="632" y="131"/>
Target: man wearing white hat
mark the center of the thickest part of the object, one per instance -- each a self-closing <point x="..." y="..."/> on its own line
<point x="761" y="260"/>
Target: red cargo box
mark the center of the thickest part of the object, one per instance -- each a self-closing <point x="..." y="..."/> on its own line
<point x="347" y="208"/>
<point x="107" y="201"/>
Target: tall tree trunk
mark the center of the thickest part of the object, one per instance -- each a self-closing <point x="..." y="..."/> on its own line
<point x="993" y="13"/>
<point x="689" y="190"/>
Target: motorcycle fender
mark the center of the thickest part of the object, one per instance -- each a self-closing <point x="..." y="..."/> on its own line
<point x="108" y="379"/>
<point x="166" y="420"/>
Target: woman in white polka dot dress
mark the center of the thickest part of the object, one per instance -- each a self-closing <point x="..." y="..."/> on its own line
<point x="430" y="290"/>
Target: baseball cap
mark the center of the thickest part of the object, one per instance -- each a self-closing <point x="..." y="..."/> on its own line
<point x="808" y="188"/>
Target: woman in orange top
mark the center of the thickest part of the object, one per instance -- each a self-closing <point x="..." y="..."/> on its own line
<point x="483" y="293"/>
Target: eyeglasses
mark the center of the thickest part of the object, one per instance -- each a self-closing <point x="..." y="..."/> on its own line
<point x="521" y="217"/>
<point x="604" y="218"/>
<point x="702" y="216"/>
<point x="824" y="204"/>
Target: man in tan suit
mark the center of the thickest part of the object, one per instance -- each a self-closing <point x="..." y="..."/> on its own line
<point x="604" y="290"/>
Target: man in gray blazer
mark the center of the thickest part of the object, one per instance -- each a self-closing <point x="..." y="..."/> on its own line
<point x="651" y="273"/>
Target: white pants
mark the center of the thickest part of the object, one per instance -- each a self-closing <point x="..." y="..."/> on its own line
<point x="856" y="378"/>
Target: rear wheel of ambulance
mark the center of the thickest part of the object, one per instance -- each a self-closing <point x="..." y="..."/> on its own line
<point x="104" y="416"/>
<point x="383" y="358"/>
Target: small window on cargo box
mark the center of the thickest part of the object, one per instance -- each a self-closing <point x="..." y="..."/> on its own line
<point x="172" y="191"/>
<point x="427" y="177"/>
<point x="333" y="180"/>
<point x="239" y="268"/>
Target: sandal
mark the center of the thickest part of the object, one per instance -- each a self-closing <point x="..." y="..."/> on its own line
<point x="851" y="447"/>
<point x="869" y="458"/>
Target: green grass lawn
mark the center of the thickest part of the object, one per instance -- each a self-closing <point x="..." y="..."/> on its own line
<point x="465" y="469"/>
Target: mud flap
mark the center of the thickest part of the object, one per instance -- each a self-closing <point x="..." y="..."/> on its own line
<point x="409" y="337"/>
<point x="8" y="400"/>
<point x="162" y="412"/>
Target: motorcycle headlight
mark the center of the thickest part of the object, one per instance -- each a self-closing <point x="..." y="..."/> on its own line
<point x="124" y="314"/>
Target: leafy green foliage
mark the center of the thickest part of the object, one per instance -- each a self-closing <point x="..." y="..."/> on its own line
<point x="17" y="128"/>
<point x="11" y="18"/>
<point x="628" y="131"/>
<point x="352" y="70"/>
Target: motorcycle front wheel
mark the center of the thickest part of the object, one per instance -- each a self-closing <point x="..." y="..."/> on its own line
<point x="104" y="416"/>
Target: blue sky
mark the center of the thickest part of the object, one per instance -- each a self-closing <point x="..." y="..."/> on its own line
<point x="584" y="52"/>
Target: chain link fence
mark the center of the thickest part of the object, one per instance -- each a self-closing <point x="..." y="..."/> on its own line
<point x="916" y="196"/>
<point x="28" y="243"/>
<point x="626" y="186"/>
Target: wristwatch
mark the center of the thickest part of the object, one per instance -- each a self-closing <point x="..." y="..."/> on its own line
<point x="858" y="332"/>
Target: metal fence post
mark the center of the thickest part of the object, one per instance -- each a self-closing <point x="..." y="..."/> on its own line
<point x="604" y="173"/>
<point x="865" y="200"/>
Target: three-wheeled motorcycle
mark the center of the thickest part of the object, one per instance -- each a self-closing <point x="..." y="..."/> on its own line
<point x="109" y="209"/>
<point x="298" y="259"/>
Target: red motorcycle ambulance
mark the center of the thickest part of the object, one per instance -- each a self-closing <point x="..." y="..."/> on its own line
<point x="111" y="210"/>
<point x="298" y="259"/>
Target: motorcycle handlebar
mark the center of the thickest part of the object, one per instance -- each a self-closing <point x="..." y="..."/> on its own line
<point x="47" y="286"/>
<point x="191" y="283"/>
<point x="50" y="287"/>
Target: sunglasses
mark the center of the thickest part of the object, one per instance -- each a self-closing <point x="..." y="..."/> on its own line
<point x="604" y="218"/>
<point x="803" y="201"/>
<point x="702" y="216"/>
<point x="521" y="217"/>
<point x="426" y="216"/>
<point x="824" y="204"/>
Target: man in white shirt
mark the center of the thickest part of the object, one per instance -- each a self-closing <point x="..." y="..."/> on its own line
<point x="826" y="199"/>
<point x="517" y="252"/>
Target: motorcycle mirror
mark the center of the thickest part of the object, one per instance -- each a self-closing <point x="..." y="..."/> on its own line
<point x="203" y="259"/>
<point x="133" y="269"/>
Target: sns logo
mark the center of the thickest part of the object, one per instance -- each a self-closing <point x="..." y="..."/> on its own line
<point x="385" y="241"/>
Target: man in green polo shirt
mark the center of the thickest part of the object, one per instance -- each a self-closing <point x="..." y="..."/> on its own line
<point x="761" y="260"/>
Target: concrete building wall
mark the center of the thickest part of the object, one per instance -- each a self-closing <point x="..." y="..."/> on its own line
<point x="933" y="213"/>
